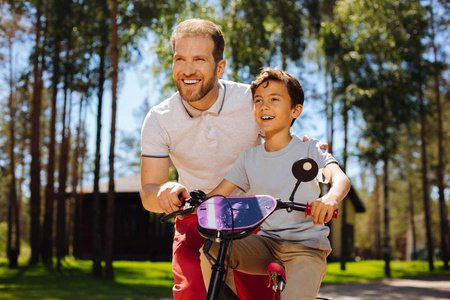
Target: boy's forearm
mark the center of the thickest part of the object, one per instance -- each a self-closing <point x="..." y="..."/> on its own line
<point x="340" y="186"/>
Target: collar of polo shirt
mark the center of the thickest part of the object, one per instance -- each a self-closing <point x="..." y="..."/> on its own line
<point x="215" y="109"/>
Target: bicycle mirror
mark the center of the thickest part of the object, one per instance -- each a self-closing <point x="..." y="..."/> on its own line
<point x="305" y="169"/>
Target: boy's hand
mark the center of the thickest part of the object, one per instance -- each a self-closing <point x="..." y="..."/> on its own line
<point x="322" y="210"/>
<point x="323" y="146"/>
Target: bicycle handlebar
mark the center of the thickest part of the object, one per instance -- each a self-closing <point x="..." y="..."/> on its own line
<point x="198" y="197"/>
<point x="290" y="206"/>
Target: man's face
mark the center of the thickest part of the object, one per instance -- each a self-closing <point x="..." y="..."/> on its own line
<point x="195" y="72"/>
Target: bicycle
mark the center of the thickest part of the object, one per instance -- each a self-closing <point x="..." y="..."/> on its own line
<point x="225" y="219"/>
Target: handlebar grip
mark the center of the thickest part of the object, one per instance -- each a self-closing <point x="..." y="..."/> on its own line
<point x="308" y="211"/>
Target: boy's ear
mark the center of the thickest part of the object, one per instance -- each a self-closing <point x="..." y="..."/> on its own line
<point x="297" y="111"/>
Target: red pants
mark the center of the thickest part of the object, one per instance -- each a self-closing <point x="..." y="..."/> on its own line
<point x="188" y="274"/>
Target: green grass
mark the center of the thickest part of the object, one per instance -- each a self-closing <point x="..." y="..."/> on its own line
<point x="147" y="280"/>
<point x="374" y="270"/>
<point x="133" y="280"/>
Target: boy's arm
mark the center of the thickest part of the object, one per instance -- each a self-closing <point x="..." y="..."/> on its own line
<point x="322" y="209"/>
<point x="225" y="188"/>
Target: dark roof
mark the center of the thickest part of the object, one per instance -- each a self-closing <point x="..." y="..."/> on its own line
<point x="353" y="196"/>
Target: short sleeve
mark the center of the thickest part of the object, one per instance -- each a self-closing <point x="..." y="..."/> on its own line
<point x="154" y="139"/>
<point x="238" y="174"/>
<point x="322" y="157"/>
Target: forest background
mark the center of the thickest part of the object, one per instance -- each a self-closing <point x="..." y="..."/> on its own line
<point x="376" y="74"/>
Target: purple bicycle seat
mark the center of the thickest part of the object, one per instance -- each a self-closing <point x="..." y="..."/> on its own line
<point x="240" y="213"/>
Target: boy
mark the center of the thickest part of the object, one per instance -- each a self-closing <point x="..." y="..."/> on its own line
<point x="299" y="243"/>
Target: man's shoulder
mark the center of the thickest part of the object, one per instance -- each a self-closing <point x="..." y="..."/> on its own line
<point x="235" y="86"/>
<point x="166" y="106"/>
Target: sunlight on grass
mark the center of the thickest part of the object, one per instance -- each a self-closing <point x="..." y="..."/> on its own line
<point x="374" y="270"/>
<point x="147" y="280"/>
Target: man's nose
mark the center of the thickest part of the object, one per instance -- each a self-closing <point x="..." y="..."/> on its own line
<point x="188" y="69"/>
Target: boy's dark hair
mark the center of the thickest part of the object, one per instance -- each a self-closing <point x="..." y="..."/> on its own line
<point x="293" y="86"/>
<point x="200" y="27"/>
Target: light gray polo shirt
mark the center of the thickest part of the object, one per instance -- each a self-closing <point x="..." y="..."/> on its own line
<point x="203" y="145"/>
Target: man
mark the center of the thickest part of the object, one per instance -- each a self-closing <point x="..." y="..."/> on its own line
<point x="203" y="128"/>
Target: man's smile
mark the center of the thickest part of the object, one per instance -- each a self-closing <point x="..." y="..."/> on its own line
<point x="190" y="81"/>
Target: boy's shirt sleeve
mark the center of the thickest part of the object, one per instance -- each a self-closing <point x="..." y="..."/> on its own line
<point x="238" y="174"/>
<point x="322" y="158"/>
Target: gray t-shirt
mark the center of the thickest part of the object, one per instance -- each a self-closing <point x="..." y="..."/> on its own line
<point x="203" y="145"/>
<point x="270" y="173"/>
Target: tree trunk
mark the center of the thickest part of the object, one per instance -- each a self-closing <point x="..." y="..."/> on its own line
<point x="13" y="209"/>
<point x="344" y="233"/>
<point x="377" y="214"/>
<point x="411" y="218"/>
<point x="47" y="245"/>
<point x="426" y="195"/>
<point x="440" y="153"/>
<point x="63" y="163"/>
<point x="109" y="247"/>
<point x="35" y="167"/>
<point x="97" y="236"/>
<point x="387" y="238"/>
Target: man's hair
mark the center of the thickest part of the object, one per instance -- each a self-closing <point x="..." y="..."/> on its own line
<point x="204" y="28"/>
<point x="293" y="86"/>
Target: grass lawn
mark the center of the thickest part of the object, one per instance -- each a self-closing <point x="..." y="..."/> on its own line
<point x="147" y="280"/>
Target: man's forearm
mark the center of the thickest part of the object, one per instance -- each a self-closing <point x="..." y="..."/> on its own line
<point x="149" y="199"/>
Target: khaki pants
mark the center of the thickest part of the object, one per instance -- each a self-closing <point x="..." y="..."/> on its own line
<point x="305" y="267"/>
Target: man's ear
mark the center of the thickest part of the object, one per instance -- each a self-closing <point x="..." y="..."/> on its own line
<point x="297" y="111"/>
<point x="221" y="68"/>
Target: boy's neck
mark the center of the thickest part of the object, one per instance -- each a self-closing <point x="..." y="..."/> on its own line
<point x="276" y="142"/>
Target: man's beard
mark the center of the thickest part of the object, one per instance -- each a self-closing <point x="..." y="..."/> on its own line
<point x="196" y="96"/>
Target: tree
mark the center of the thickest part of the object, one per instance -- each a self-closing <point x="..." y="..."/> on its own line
<point x="11" y="30"/>
<point x="437" y="71"/>
<point x="35" y="168"/>
<point x="385" y="36"/>
<point x="109" y="247"/>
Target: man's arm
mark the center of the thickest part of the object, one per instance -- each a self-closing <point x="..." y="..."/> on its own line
<point x="157" y="194"/>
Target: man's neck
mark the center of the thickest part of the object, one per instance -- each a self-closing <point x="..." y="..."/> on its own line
<point x="208" y="100"/>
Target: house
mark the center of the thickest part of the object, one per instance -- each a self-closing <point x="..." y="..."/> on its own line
<point x="353" y="207"/>
<point x="139" y="235"/>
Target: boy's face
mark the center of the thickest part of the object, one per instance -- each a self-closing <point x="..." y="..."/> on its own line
<point x="272" y="107"/>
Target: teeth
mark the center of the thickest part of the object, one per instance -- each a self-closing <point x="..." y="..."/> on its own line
<point x="266" y="118"/>
<point x="191" y="81"/>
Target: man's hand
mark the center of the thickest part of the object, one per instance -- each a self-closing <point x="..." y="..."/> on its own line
<point x="323" y="146"/>
<point x="169" y="196"/>
<point x="322" y="210"/>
